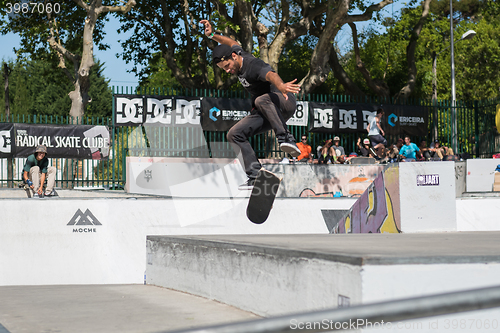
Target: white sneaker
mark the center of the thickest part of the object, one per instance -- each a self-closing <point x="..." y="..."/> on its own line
<point x="48" y="193"/>
<point x="248" y="185"/>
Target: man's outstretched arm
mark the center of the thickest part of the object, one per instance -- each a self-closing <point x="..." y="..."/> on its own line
<point x="285" y="88"/>
<point x="210" y="33"/>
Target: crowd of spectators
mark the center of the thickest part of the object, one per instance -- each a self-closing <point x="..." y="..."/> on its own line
<point x="403" y="150"/>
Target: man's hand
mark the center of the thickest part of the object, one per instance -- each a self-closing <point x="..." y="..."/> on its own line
<point x="208" y="27"/>
<point x="285" y="88"/>
<point x="291" y="87"/>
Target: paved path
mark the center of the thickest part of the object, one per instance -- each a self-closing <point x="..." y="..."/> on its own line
<point x="108" y="308"/>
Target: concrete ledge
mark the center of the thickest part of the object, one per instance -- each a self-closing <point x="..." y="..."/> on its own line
<point x="278" y="274"/>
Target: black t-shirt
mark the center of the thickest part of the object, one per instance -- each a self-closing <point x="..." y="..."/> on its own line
<point x="252" y="74"/>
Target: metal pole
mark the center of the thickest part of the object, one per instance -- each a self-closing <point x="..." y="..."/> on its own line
<point x="454" y="139"/>
<point x="377" y="315"/>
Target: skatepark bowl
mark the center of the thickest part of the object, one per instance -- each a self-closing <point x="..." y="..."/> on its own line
<point x="415" y="245"/>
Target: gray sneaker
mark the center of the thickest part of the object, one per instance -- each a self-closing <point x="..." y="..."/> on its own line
<point x="288" y="145"/>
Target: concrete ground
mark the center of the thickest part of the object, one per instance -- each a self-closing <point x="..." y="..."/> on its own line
<point x="108" y="308"/>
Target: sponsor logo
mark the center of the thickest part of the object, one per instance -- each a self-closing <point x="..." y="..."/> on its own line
<point x="150" y="110"/>
<point x="84" y="222"/>
<point x="392" y="119"/>
<point x="428" y="180"/>
<point x="5" y="142"/>
<point x="213" y="111"/>
<point x="348" y="119"/>
<point x="323" y="118"/>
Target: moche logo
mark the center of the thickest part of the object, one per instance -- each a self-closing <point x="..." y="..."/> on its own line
<point x="84" y="219"/>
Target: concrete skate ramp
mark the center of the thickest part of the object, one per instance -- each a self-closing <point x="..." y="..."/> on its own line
<point x="278" y="274"/>
<point x="82" y="237"/>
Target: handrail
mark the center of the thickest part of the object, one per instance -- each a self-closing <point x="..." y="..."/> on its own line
<point x="381" y="314"/>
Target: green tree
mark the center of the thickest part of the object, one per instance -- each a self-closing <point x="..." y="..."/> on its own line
<point x="38" y="88"/>
<point x="262" y="27"/>
<point x="63" y="33"/>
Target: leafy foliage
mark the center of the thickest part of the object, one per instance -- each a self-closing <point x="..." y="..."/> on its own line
<point x="36" y="87"/>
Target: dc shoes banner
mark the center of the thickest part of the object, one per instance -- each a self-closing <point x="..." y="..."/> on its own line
<point x="6" y="142"/>
<point x="62" y="141"/>
<point x="136" y="110"/>
<point x="220" y="114"/>
<point x="351" y="118"/>
<point x="340" y="117"/>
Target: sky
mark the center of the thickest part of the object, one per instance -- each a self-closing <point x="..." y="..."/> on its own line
<point x="116" y="70"/>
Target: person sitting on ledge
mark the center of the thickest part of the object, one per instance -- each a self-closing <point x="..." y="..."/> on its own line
<point x="36" y="170"/>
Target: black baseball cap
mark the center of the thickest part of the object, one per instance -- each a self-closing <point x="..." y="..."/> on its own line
<point x="222" y="52"/>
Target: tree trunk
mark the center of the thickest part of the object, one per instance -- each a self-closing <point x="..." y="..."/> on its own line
<point x="407" y="90"/>
<point x="10" y="161"/>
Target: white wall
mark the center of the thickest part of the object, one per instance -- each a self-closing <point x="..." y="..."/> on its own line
<point x="427" y="208"/>
<point x="38" y="247"/>
<point x="480" y="174"/>
<point x="478" y="214"/>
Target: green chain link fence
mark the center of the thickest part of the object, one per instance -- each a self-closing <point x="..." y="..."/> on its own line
<point x="477" y="135"/>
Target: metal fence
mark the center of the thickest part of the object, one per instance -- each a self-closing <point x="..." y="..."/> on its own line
<point x="477" y="135"/>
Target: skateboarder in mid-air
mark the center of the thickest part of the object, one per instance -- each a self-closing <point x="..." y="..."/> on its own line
<point x="273" y="101"/>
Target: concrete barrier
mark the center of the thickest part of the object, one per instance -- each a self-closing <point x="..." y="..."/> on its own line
<point x="480" y="174"/>
<point x="408" y="197"/>
<point x="273" y="275"/>
<point x="217" y="177"/>
<point x="103" y="240"/>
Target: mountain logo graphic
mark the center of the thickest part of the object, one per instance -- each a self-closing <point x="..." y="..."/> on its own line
<point x="86" y="218"/>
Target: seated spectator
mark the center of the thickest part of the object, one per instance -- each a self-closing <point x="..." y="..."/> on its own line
<point x="338" y="153"/>
<point x="305" y="150"/>
<point x="325" y="153"/>
<point x="424" y="150"/>
<point x="364" y="149"/>
<point x="393" y="153"/>
<point x="435" y="151"/>
<point x="448" y="154"/>
<point x="409" y="151"/>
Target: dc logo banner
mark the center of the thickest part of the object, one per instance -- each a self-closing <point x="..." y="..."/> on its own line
<point x="300" y="116"/>
<point x="325" y="118"/>
<point x="220" y="114"/>
<point x="129" y="110"/>
<point x="135" y="110"/>
<point x="5" y="140"/>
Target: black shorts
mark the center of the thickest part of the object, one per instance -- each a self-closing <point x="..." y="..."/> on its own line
<point x="376" y="139"/>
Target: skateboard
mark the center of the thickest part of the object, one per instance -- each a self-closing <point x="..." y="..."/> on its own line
<point x="262" y="197"/>
<point x="28" y="190"/>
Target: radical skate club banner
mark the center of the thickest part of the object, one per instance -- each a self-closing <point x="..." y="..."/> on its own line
<point x="62" y="141"/>
<point x="136" y="110"/>
<point x="220" y="114"/>
<point x="6" y="140"/>
<point x="350" y="118"/>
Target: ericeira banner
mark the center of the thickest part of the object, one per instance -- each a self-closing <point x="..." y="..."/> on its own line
<point x="62" y="141"/>
<point x="220" y="114"/>
<point x="348" y="118"/>
<point x="135" y="110"/>
<point x="406" y="120"/>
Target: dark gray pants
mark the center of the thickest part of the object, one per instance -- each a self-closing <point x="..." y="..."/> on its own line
<point x="271" y="111"/>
